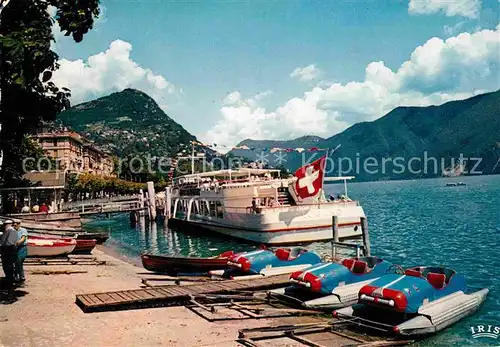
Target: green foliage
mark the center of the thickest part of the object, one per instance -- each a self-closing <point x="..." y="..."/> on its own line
<point x="90" y="183"/>
<point x="132" y="126"/>
<point x="30" y="159"/>
<point x="128" y="123"/>
<point x="27" y="62"/>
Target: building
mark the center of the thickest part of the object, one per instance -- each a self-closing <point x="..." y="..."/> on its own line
<point x="74" y="153"/>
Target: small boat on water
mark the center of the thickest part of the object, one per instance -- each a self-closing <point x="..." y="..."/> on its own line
<point x="266" y="261"/>
<point x="421" y="301"/>
<point x="82" y="246"/>
<point x="456" y="184"/>
<point x="50" y="247"/>
<point x="175" y="265"/>
<point x="334" y="285"/>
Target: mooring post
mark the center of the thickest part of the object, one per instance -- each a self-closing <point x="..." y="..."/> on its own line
<point x="366" y="235"/>
<point x="168" y="202"/>
<point x="335" y="226"/>
<point x="152" y="200"/>
<point x="141" y="198"/>
<point x="141" y="202"/>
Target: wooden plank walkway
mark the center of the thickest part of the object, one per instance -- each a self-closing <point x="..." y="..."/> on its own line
<point x="169" y="295"/>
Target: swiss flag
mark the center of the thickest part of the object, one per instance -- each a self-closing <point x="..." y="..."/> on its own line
<point x="310" y="178"/>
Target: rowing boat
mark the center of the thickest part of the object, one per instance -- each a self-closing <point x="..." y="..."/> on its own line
<point x="174" y="265"/>
<point x="50" y="247"/>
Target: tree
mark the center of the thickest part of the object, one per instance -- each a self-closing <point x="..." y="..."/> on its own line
<point x="27" y="63"/>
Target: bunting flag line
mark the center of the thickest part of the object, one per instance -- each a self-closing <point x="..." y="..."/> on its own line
<point x="264" y="149"/>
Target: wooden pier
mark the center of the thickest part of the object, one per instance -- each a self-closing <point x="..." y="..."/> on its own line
<point x="170" y="295"/>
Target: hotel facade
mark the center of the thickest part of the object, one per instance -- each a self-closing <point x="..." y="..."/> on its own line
<point x="73" y="153"/>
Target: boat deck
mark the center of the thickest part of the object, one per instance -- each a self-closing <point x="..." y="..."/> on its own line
<point x="170" y="295"/>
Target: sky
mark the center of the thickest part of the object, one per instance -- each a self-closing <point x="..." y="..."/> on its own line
<point x="232" y="70"/>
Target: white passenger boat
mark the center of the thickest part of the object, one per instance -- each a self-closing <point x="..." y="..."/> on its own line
<point x="260" y="206"/>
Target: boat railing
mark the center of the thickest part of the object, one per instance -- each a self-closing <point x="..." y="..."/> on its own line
<point x="67" y="206"/>
<point x="274" y="209"/>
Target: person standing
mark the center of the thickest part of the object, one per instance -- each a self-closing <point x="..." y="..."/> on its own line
<point x="22" y="251"/>
<point x="8" y="249"/>
<point x="44" y="208"/>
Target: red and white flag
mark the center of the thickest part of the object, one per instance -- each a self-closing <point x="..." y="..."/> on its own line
<point x="310" y="178"/>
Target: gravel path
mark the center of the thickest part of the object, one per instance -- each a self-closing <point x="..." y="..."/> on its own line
<point x="45" y="313"/>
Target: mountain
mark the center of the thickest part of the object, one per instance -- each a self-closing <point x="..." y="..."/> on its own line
<point x="409" y="137"/>
<point x="127" y="123"/>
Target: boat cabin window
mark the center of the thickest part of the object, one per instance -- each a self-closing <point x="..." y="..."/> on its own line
<point x="204" y="208"/>
<point x="195" y="207"/>
<point x="213" y="211"/>
<point x="183" y="206"/>
<point x="220" y="209"/>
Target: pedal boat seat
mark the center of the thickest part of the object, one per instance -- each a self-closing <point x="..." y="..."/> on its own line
<point x="437" y="280"/>
<point x="283" y="254"/>
<point x="360" y="267"/>
<point x="348" y="263"/>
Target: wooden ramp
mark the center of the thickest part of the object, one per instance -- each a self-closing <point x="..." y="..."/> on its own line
<point x="170" y="295"/>
<point x="312" y="335"/>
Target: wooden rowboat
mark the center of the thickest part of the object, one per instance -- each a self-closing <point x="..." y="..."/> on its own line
<point x="50" y="248"/>
<point x="83" y="246"/>
<point x="100" y="237"/>
<point x="175" y="265"/>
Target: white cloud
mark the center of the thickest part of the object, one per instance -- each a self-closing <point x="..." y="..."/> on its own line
<point x="451" y="8"/>
<point x="307" y="73"/>
<point x="110" y="71"/>
<point x="437" y="71"/>
<point x="450" y="30"/>
<point x="232" y="98"/>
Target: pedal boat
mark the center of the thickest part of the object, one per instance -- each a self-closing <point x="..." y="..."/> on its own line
<point x="333" y="285"/>
<point x="271" y="262"/>
<point x="422" y="301"/>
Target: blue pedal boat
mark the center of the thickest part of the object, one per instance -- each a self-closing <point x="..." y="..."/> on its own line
<point x="420" y="301"/>
<point x="264" y="261"/>
<point x="334" y="285"/>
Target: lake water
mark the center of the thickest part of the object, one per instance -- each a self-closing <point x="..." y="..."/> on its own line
<point x="420" y="222"/>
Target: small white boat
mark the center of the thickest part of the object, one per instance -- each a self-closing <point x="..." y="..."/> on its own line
<point x="50" y="247"/>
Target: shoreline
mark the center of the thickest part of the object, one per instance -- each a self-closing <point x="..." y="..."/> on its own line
<point x="114" y="253"/>
<point x="46" y="315"/>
